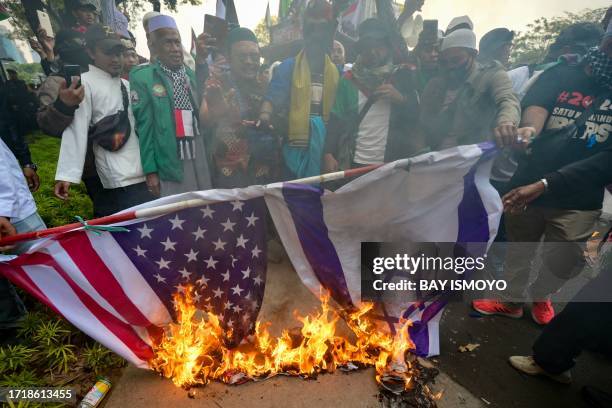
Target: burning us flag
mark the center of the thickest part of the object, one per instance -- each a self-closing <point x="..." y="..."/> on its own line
<point x="118" y="287"/>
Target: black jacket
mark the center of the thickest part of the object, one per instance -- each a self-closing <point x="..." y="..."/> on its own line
<point x="592" y="173"/>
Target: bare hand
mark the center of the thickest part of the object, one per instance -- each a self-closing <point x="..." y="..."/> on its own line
<point x="205" y="45"/>
<point x="506" y="134"/>
<point x="6" y="230"/>
<point x="265" y="119"/>
<point x="62" y="190"/>
<point x="73" y="95"/>
<point x="387" y="92"/>
<point x="153" y="184"/>
<point x="47" y="43"/>
<point x="215" y="99"/>
<point x="516" y="200"/>
<point x="525" y="136"/>
<point x="330" y="164"/>
<point x="213" y="91"/>
<point x="35" y="45"/>
<point x="32" y="179"/>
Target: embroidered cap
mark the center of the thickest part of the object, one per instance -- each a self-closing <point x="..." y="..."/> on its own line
<point x="161" y="21"/>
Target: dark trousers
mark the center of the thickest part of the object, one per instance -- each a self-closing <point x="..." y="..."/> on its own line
<point x="581" y="325"/>
<point x="94" y="190"/>
<point x="110" y="201"/>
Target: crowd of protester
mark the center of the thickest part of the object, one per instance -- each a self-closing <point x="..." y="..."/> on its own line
<point x="134" y="129"/>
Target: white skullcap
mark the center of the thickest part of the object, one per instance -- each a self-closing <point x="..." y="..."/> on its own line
<point x="461" y="38"/>
<point x="148" y="16"/>
<point x="458" y="21"/>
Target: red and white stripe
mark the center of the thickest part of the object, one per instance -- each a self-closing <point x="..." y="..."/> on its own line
<point x="184" y="123"/>
<point x="88" y="279"/>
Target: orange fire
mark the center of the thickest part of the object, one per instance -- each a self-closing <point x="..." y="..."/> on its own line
<point x="192" y="350"/>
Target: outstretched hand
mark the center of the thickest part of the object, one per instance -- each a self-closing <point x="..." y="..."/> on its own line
<point x="516" y="200"/>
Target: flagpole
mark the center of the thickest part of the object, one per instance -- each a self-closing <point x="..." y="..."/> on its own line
<point x="170" y="208"/>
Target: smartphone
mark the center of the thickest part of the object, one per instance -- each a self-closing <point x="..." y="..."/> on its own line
<point x="45" y="22"/>
<point x="216" y="27"/>
<point x="72" y="73"/>
<point x="430" y="26"/>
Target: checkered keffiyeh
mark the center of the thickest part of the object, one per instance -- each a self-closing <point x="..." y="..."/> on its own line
<point x="601" y="66"/>
<point x="186" y="147"/>
<point x="180" y="87"/>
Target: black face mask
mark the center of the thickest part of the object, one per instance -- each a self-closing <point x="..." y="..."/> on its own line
<point x="458" y="75"/>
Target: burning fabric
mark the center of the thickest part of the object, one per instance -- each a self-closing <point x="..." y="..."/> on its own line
<point x="116" y="282"/>
<point x="192" y="351"/>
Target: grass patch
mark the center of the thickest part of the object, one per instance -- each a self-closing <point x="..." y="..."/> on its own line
<point x="55" y="212"/>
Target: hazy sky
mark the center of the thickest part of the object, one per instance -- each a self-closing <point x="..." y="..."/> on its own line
<point x="486" y="14"/>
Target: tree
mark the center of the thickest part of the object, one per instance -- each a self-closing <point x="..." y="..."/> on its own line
<point x="531" y="46"/>
<point x="262" y="32"/>
<point x="28" y="72"/>
<point x="131" y="8"/>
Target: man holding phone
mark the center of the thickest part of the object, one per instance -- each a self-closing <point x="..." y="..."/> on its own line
<point x="57" y="96"/>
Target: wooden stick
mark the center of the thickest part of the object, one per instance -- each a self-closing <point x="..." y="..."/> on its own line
<point x="168" y="208"/>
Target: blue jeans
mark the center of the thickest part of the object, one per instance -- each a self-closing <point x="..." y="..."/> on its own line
<point x="12" y="308"/>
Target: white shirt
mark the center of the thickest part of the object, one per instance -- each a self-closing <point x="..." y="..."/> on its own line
<point x="102" y="98"/>
<point x="16" y="201"/>
<point x="373" y="130"/>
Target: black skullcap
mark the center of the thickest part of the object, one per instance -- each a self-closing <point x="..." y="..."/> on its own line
<point x="373" y="28"/>
<point x="238" y="34"/>
<point x="494" y="39"/>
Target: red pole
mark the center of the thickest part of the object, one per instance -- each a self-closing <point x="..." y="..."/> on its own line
<point x="115" y="218"/>
<point x="110" y="219"/>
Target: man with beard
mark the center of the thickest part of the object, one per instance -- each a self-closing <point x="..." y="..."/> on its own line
<point x="306" y="86"/>
<point x="166" y="106"/>
<point x="468" y="102"/>
<point x="381" y="94"/>
<point x="229" y="111"/>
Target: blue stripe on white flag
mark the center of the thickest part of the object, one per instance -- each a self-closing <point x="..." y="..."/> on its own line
<point x="304" y="203"/>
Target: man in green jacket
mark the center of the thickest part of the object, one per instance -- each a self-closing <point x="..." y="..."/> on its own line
<point x="166" y="106"/>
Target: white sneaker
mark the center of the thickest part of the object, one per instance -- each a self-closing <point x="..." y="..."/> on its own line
<point x="527" y="365"/>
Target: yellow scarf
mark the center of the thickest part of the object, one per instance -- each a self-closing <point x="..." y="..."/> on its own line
<point x="299" y="113"/>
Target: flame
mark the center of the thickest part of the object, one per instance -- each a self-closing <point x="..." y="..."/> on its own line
<point x="192" y="350"/>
